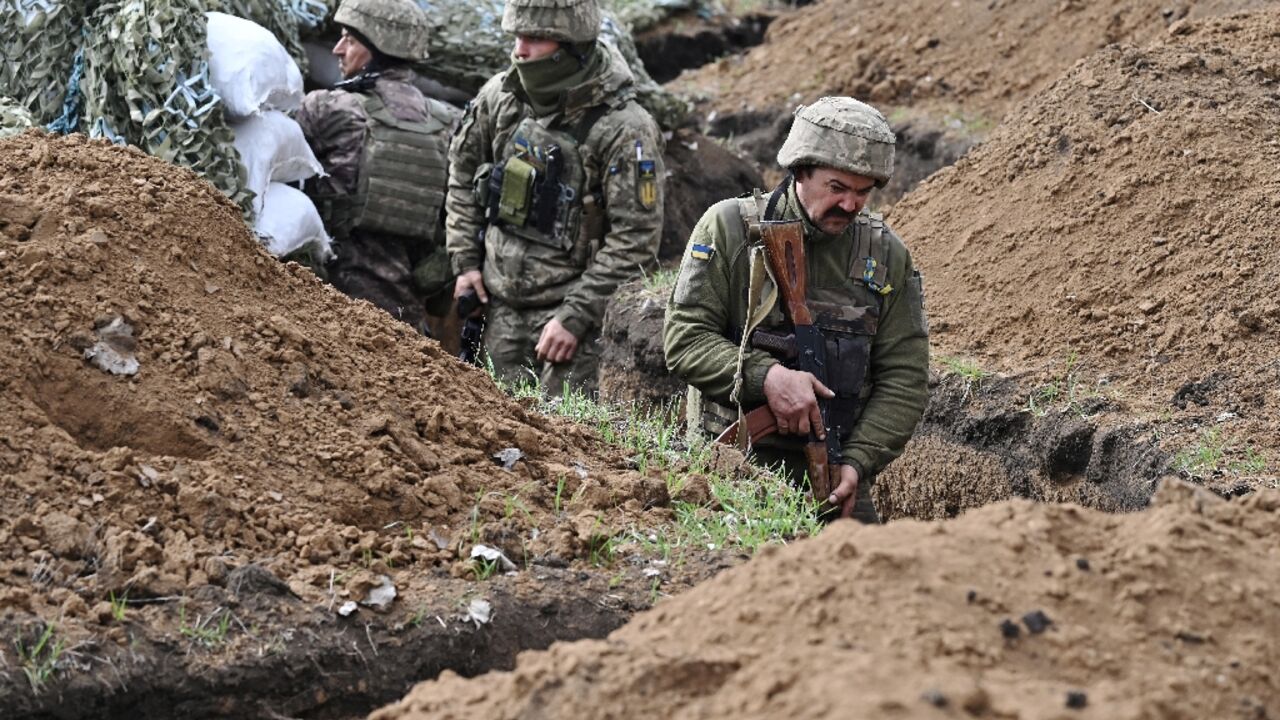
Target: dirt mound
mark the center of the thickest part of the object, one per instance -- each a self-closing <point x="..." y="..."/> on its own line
<point x="270" y="420"/>
<point x="1013" y="610"/>
<point x="1123" y="220"/>
<point x="979" y="58"/>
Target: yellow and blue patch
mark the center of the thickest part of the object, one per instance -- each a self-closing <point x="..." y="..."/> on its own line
<point x="701" y="252"/>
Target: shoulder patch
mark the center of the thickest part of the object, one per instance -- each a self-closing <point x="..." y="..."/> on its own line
<point x="701" y="252"/>
<point x="646" y="179"/>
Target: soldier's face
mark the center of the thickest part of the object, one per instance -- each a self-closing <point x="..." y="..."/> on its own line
<point x="832" y="198"/>
<point x="352" y="55"/>
<point x="533" y="48"/>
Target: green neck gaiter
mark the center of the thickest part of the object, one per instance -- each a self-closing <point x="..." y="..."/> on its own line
<point x="546" y="80"/>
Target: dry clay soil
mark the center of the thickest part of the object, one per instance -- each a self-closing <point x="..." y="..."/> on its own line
<point x="977" y="59"/>
<point x="1015" y="610"/>
<point x="1123" y="220"/>
<point x="278" y="451"/>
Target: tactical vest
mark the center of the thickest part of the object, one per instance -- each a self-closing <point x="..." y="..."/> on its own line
<point x="848" y="324"/>
<point x="539" y="189"/>
<point x="403" y="172"/>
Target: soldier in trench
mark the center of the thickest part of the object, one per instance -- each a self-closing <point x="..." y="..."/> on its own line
<point x="384" y="147"/>
<point x="555" y="194"/>
<point x="863" y="290"/>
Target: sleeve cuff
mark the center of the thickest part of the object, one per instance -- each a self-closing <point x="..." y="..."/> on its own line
<point x="462" y="264"/>
<point x="753" y="375"/>
<point x="573" y="323"/>
<point x="859" y="461"/>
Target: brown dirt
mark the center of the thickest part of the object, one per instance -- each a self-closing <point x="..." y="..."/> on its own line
<point x="1167" y="613"/>
<point x="272" y="422"/>
<point x="1135" y="239"/>
<point x="979" y="59"/>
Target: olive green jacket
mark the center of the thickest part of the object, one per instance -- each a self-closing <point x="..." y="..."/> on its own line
<point x="525" y="274"/>
<point x="707" y="312"/>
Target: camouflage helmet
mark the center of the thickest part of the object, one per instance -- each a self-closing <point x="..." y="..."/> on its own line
<point x="841" y="133"/>
<point x="572" y="21"/>
<point x="395" y="27"/>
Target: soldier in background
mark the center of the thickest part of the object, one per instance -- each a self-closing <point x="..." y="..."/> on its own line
<point x="555" y="194"/>
<point x="384" y="146"/>
<point x="863" y="291"/>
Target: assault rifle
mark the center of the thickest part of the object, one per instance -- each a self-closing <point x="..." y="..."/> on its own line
<point x="472" y="328"/>
<point x="784" y="248"/>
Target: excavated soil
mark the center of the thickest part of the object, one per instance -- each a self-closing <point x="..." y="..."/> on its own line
<point x="1117" y="231"/>
<point x="975" y="59"/>
<point x="1016" y="610"/>
<point x="279" y="450"/>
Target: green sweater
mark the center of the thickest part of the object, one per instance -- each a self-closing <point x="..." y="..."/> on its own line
<point x="708" y="309"/>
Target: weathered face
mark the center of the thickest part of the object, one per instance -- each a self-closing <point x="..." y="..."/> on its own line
<point x="534" y="48"/>
<point x="832" y="198"/>
<point x="352" y="55"/>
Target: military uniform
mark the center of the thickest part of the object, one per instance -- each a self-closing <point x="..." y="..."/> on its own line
<point x="556" y="197"/>
<point x="866" y="297"/>
<point x="384" y="145"/>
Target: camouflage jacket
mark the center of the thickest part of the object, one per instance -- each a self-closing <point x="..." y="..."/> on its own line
<point x="530" y="274"/>
<point x="707" y="313"/>
<point x="336" y="124"/>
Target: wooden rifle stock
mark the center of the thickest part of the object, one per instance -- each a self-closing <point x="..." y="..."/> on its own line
<point x="784" y="248"/>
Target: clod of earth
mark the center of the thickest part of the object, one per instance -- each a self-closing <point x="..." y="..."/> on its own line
<point x="1036" y="622"/>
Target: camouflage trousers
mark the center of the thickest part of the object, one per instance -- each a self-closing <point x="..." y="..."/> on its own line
<point x="510" y="336"/>
<point x="796" y="468"/>
<point x="379" y="270"/>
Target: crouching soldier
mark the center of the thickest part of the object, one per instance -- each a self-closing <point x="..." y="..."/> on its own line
<point x="727" y="335"/>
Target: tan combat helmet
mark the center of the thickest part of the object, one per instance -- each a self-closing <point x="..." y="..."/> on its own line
<point x="396" y="27"/>
<point x="841" y="133"/>
<point x="571" y="21"/>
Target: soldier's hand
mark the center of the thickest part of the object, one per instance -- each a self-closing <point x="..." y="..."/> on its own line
<point x="556" y="345"/>
<point x="471" y="280"/>
<point x="793" y="398"/>
<point x="846" y="493"/>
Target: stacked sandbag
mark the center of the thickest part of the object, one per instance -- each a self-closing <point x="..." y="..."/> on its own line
<point x="290" y="226"/>
<point x="14" y="117"/>
<point x="280" y="17"/>
<point x="38" y="44"/>
<point x="258" y="83"/>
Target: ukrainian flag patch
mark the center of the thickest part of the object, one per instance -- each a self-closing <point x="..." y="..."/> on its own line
<point x="702" y="252"/>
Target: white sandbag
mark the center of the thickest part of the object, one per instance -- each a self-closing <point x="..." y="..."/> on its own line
<point x="289" y="222"/>
<point x="273" y="149"/>
<point x="250" y="69"/>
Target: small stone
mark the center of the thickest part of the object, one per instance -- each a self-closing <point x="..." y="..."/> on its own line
<point x="934" y="697"/>
<point x="1077" y="699"/>
<point x="1009" y="629"/>
<point x="1036" y="621"/>
<point x="971" y="596"/>
<point x="1082" y="563"/>
<point x="508" y="457"/>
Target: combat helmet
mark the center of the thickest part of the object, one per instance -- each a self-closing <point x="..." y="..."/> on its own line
<point x="841" y="133"/>
<point x="571" y="21"/>
<point x="395" y="27"/>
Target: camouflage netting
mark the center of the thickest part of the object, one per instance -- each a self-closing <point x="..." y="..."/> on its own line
<point x="641" y="15"/>
<point x="468" y="47"/>
<point x="37" y="49"/>
<point x="146" y="83"/>
<point x="14" y="117"/>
